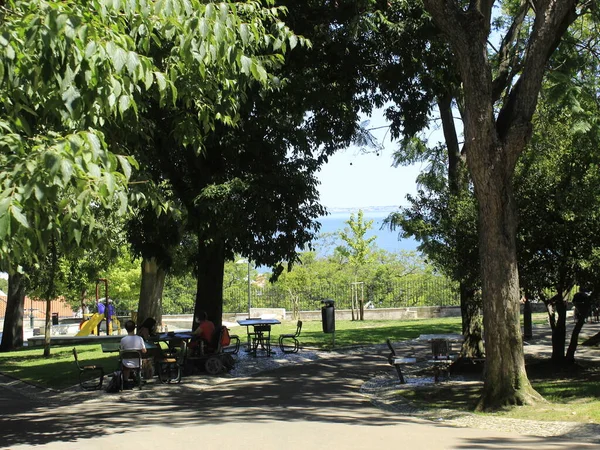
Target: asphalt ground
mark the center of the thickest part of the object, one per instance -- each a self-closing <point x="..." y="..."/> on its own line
<point x="313" y="405"/>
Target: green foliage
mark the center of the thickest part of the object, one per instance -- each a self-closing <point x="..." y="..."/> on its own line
<point x="70" y="69"/>
<point x="358" y="248"/>
<point x="83" y="271"/>
<point x="390" y="280"/>
<point x="445" y="225"/>
<point x="179" y="295"/>
<point x="557" y="185"/>
<point x="124" y="278"/>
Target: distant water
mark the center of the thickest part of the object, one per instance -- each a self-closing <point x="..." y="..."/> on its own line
<point x="385" y="239"/>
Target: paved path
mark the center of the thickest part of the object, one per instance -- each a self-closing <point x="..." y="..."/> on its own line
<point x="317" y="405"/>
<point x="310" y="407"/>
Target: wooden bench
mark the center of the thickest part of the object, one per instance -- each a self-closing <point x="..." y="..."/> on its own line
<point x="398" y="361"/>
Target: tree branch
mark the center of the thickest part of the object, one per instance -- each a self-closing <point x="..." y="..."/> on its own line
<point x="552" y="19"/>
<point x="451" y="137"/>
<point x="485" y="9"/>
<point x="507" y="55"/>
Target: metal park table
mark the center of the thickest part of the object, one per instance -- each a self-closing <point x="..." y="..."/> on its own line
<point x="172" y="339"/>
<point x="261" y="334"/>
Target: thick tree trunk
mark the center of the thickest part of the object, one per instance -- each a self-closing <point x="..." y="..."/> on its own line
<point x="12" y="333"/>
<point x="209" y="294"/>
<point x="48" y="328"/>
<point x="570" y="357"/>
<point x="153" y="283"/>
<point x="472" y="346"/>
<point x="506" y="381"/>
<point x="559" y="332"/>
<point x="493" y="148"/>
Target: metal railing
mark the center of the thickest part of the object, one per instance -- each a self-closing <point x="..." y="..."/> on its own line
<point x="428" y="292"/>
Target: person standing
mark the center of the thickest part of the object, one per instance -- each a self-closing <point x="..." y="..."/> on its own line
<point x="101" y="309"/>
<point x="582" y="303"/>
<point x="110" y="313"/>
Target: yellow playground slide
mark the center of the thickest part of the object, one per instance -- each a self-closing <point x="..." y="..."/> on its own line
<point x="91" y="325"/>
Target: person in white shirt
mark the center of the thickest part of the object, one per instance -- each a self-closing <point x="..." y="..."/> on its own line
<point x="131" y="342"/>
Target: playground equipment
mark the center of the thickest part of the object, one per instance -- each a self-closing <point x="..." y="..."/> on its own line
<point x="91" y="325"/>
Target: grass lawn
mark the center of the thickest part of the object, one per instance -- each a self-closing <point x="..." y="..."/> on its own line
<point x="368" y="332"/>
<point x="59" y="370"/>
<point x="572" y="393"/>
<point x="571" y="397"/>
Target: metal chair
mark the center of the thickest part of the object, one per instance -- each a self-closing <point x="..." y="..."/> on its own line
<point x="262" y="338"/>
<point x="170" y="366"/>
<point x="294" y="337"/>
<point x="87" y="380"/>
<point x="133" y="355"/>
<point x="234" y="346"/>
<point x="442" y="359"/>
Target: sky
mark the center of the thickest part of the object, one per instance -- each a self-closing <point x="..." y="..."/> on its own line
<point x="351" y="179"/>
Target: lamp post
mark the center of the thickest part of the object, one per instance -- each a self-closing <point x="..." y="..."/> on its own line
<point x="249" y="296"/>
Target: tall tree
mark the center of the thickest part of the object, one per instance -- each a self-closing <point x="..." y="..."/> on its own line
<point x="70" y="69"/>
<point x="556" y="185"/>
<point x="357" y="249"/>
<point x="418" y="86"/>
<point x="252" y="190"/>
<point x="498" y="111"/>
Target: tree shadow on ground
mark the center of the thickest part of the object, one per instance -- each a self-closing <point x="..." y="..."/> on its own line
<point x="326" y="391"/>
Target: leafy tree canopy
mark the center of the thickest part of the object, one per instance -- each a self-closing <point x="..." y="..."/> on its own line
<point x="70" y="69"/>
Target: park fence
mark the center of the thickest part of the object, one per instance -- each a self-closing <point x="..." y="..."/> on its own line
<point x="403" y="294"/>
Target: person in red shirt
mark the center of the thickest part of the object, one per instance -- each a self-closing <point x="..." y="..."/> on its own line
<point x="205" y="331"/>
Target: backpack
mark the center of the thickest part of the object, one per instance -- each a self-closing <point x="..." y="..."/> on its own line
<point x="116" y="383"/>
<point x="225" y="339"/>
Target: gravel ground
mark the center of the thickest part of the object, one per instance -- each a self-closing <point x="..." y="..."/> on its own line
<point x="247" y="364"/>
<point x="384" y="393"/>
